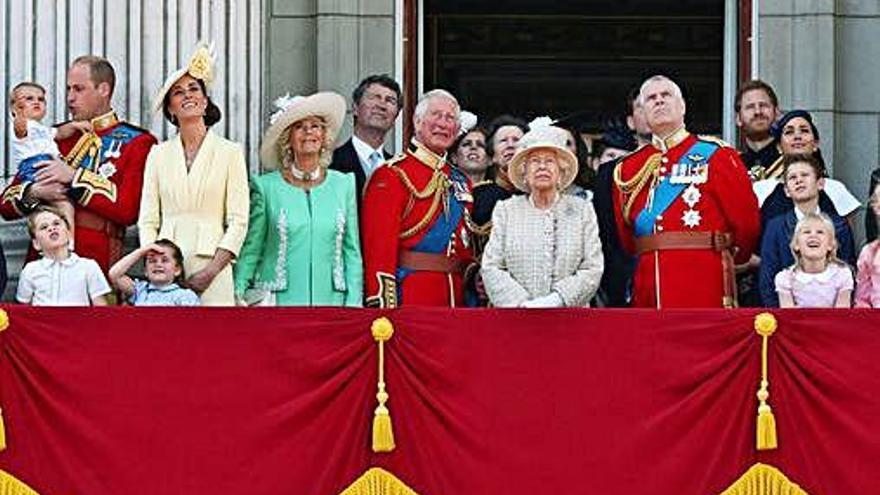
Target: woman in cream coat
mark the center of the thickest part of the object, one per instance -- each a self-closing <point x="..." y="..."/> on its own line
<point x="544" y="250"/>
<point x="195" y="186"/>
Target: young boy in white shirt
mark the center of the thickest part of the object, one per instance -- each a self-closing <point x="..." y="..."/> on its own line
<point x="60" y="278"/>
<point x="31" y="142"/>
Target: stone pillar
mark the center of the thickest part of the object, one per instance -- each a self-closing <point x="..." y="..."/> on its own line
<point x="820" y="55"/>
<point x="328" y="45"/>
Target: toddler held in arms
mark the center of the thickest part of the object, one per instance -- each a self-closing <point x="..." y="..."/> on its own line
<point x="33" y="143"/>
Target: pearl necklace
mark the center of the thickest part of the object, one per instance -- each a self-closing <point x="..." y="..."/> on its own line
<point x="313" y="176"/>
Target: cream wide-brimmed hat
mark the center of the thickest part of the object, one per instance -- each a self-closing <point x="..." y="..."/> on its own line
<point x="200" y="66"/>
<point x="327" y="105"/>
<point x="547" y="138"/>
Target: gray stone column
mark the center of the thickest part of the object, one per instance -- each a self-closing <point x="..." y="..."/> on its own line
<point x="821" y="56"/>
<point x="327" y="45"/>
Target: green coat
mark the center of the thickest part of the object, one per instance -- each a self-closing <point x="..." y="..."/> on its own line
<point x="303" y="246"/>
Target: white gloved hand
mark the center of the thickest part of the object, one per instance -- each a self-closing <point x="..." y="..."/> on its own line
<point x="551" y="300"/>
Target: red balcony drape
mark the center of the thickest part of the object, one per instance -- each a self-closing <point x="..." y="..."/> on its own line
<point x="280" y="401"/>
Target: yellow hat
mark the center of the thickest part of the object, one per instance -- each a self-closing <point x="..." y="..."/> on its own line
<point x="200" y="66"/>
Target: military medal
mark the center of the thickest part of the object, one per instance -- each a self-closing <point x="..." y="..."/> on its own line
<point x="461" y="192"/>
<point x="107" y="169"/>
<point x="680" y="173"/>
<point x="113" y="150"/>
<point x="691" y="218"/>
<point x="691" y="196"/>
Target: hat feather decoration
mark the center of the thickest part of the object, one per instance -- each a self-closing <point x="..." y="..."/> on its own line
<point x="542" y="121"/>
<point x="467" y="121"/>
<point x="201" y="64"/>
<point x="282" y="103"/>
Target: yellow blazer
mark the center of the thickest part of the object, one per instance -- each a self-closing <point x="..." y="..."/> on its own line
<point x="202" y="209"/>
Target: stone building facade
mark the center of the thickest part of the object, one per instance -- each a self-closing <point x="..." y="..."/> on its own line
<point x="820" y="55"/>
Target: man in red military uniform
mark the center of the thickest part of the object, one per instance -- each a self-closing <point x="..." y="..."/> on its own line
<point x="416" y="247"/>
<point x="102" y="170"/>
<point x="684" y="205"/>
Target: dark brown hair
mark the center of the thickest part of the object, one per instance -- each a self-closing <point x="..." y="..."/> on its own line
<point x="212" y="111"/>
<point x="177" y="254"/>
<point x="751" y="86"/>
<point x="807" y="158"/>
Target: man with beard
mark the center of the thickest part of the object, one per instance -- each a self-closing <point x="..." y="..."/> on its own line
<point x="416" y="244"/>
<point x="376" y="104"/>
<point x="757" y="108"/>
<point x="683" y="205"/>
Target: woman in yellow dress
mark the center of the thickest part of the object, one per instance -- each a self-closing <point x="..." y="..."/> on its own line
<point x="196" y="186"/>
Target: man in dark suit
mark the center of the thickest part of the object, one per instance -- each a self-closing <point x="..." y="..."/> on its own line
<point x="376" y="105"/>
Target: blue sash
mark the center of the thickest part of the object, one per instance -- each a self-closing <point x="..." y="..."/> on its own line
<point x="666" y="192"/>
<point x="437" y="237"/>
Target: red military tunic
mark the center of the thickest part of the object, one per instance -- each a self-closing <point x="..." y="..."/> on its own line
<point x="106" y="186"/>
<point x="403" y="202"/>
<point x="683" y="276"/>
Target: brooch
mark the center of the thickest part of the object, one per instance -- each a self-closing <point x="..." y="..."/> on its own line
<point x="107" y="169"/>
<point x="691" y="196"/>
<point x="691" y="218"/>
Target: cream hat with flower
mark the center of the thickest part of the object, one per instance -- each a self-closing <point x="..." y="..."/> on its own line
<point x="548" y="138"/>
<point x="327" y="105"/>
<point x="200" y="66"/>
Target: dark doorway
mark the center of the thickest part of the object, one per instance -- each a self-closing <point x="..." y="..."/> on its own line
<point x="556" y="58"/>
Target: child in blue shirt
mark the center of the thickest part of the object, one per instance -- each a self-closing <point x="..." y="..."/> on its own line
<point x="163" y="268"/>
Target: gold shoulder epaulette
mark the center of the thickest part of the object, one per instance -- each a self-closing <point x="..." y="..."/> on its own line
<point x="392" y="162"/>
<point x="714" y="139"/>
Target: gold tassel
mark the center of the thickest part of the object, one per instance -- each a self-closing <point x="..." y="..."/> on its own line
<point x="766" y="428"/>
<point x="4" y="324"/>
<point x="383" y="432"/>
<point x="2" y="432"/>
<point x="765" y="325"/>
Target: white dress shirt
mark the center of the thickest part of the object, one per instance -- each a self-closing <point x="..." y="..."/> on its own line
<point x="73" y="281"/>
<point x="364" y="152"/>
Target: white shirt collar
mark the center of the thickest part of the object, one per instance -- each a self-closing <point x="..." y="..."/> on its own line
<point x="48" y="262"/>
<point x="364" y="150"/>
<point x="800" y="215"/>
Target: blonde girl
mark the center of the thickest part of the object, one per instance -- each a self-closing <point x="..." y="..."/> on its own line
<point x="818" y="279"/>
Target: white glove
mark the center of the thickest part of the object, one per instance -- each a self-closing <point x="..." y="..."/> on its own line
<point x="551" y="300"/>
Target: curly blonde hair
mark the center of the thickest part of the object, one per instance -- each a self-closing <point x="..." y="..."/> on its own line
<point x="286" y="153"/>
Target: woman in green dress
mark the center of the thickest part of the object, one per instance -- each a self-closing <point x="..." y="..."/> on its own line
<point x="302" y="247"/>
